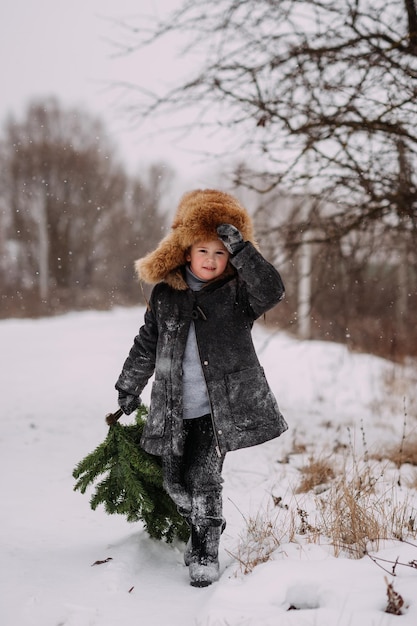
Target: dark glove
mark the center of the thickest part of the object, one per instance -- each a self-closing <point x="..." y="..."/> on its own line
<point x="127" y="402"/>
<point x="231" y="238"/>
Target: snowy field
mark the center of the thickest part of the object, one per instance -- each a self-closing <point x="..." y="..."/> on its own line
<point x="57" y="384"/>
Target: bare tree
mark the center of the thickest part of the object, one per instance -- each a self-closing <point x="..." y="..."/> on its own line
<point x="140" y="226"/>
<point x="62" y="180"/>
<point x="320" y="98"/>
<point x="69" y="210"/>
<point x="331" y="82"/>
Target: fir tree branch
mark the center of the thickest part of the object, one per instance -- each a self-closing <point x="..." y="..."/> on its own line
<point x="128" y="481"/>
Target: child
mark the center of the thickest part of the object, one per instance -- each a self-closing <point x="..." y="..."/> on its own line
<point x="209" y="394"/>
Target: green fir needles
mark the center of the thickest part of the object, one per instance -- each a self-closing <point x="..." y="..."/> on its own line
<point x="131" y="482"/>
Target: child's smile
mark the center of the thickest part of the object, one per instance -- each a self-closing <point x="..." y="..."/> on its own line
<point x="208" y="259"/>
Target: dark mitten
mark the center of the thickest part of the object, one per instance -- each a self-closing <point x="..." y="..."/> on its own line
<point x="128" y="402"/>
<point x="231" y="237"/>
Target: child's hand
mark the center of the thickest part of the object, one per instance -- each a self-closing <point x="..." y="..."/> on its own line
<point x="128" y="403"/>
<point x="231" y="238"/>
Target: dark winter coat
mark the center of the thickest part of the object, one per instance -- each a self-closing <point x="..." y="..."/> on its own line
<point x="244" y="410"/>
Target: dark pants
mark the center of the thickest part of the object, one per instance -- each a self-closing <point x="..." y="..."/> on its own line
<point x="194" y="481"/>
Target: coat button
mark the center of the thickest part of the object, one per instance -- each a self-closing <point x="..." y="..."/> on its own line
<point x="220" y="432"/>
<point x="205" y="362"/>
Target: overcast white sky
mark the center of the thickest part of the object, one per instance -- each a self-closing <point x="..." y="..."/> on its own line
<point x="61" y="48"/>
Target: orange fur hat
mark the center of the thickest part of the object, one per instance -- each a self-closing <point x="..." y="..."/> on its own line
<point x="197" y="217"/>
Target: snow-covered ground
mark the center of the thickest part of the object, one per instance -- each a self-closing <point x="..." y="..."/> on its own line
<point x="57" y="384"/>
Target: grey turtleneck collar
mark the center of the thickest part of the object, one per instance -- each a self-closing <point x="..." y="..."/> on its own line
<point x="194" y="283"/>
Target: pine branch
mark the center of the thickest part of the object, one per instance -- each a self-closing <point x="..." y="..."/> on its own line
<point x="128" y="481"/>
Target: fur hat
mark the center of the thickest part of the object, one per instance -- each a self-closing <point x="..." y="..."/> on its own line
<point x="197" y="217"/>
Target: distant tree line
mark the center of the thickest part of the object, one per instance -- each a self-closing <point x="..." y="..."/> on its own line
<point x="72" y="220"/>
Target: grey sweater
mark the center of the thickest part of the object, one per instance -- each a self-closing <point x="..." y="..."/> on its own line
<point x="195" y="397"/>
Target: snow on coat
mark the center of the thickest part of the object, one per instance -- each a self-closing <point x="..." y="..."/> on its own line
<point x="243" y="407"/>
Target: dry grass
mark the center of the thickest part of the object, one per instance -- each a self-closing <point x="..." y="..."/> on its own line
<point x="315" y="476"/>
<point x="260" y="540"/>
<point x="352" y="509"/>
<point x="354" y="517"/>
<point x="401" y="454"/>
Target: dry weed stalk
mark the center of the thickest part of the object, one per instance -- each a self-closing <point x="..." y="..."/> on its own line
<point x="260" y="540"/>
<point x="384" y="563"/>
<point x="399" y="455"/>
<point x="395" y="601"/>
<point x="403" y="454"/>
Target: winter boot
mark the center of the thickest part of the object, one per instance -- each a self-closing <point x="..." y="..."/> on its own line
<point x="204" y="566"/>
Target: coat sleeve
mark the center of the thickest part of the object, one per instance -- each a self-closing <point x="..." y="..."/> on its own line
<point x="140" y="363"/>
<point x="263" y="283"/>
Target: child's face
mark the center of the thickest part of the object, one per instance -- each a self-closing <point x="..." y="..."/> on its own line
<point x="208" y="259"/>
